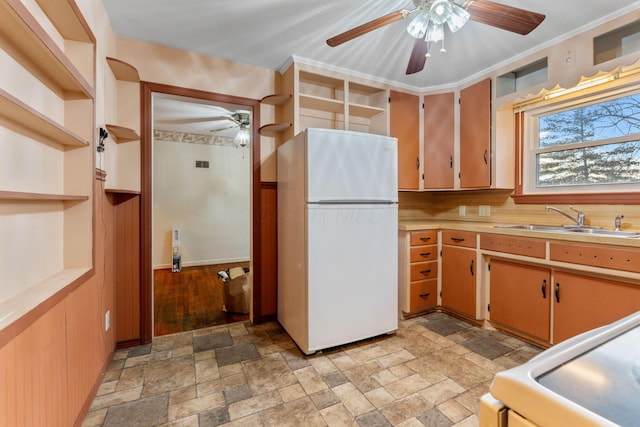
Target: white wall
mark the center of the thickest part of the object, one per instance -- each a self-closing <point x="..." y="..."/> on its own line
<point x="211" y="206"/>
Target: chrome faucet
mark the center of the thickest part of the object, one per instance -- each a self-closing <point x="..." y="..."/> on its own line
<point x="579" y="220"/>
<point x="618" y="222"/>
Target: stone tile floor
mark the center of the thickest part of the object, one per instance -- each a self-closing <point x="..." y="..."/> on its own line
<point x="431" y="372"/>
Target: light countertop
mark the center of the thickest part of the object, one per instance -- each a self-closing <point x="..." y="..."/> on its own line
<point x="490" y="227"/>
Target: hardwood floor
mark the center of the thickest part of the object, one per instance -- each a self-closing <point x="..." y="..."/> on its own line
<point x="191" y="299"/>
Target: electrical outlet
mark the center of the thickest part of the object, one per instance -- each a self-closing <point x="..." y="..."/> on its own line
<point x="484" y="210"/>
<point x="107" y="320"/>
<point x="462" y="210"/>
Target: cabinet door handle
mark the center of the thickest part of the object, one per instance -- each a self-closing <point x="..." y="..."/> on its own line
<point x="485" y="157"/>
<point x="457" y="239"/>
<point x="425" y="254"/>
<point x="417" y="163"/>
<point x="424" y="295"/>
<point x="471" y="267"/>
<point x="544" y="289"/>
<point x="425" y="272"/>
<point x="450" y="162"/>
<point x="557" y="292"/>
<point x="425" y="239"/>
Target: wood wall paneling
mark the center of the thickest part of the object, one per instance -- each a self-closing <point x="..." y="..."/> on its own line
<point x="269" y="242"/>
<point x="126" y="227"/>
<point x="34" y="376"/>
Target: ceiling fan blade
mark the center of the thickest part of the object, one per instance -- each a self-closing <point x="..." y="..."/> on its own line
<point x="224" y="128"/>
<point x="508" y="18"/>
<point x="367" y="27"/>
<point x="197" y="120"/>
<point x="418" y="56"/>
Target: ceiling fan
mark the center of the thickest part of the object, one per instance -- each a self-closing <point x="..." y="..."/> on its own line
<point x="427" y="26"/>
<point x="197" y="118"/>
<point x="240" y="119"/>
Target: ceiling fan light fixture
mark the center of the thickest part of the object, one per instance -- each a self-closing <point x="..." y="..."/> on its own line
<point x="457" y="18"/>
<point x="435" y="32"/>
<point x="418" y="26"/>
<point x="440" y="11"/>
<point x="243" y="137"/>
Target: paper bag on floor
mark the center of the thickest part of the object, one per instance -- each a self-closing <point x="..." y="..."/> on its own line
<point x="236" y="293"/>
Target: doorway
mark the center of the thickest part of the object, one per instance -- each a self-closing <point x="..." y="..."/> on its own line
<point x="203" y="133"/>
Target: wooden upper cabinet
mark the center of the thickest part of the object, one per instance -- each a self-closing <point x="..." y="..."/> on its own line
<point x="475" y="135"/>
<point x="405" y="125"/>
<point x="438" y="141"/>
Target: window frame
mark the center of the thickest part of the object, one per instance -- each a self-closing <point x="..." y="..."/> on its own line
<point x="527" y="137"/>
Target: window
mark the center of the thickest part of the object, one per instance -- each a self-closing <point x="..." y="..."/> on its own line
<point x="586" y="145"/>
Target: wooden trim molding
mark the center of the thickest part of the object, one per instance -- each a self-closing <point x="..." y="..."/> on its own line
<point x="627" y="198"/>
<point x="578" y="198"/>
<point x="146" y="270"/>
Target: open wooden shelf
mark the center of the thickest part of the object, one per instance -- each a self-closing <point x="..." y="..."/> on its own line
<point x="67" y="20"/>
<point x="122" y="134"/>
<point x="121" y="191"/>
<point x="41" y="54"/>
<point x="273" y="129"/>
<point x="322" y="104"/>
<point x="276" y="99"/>
<point x="365" y="111"/>
<point x="15" y="307"/>
<point x="23" y="115"/>
<point x="123" y="71"/>
<point x="40" y="197"/>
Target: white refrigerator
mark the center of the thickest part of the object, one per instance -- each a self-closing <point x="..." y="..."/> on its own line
<point x="337" y="237"/>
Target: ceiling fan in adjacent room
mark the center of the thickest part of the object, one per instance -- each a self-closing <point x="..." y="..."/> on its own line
<point x="203" y="118"/>
<point x="240" y="119"/>
<point x="430" y="16"/>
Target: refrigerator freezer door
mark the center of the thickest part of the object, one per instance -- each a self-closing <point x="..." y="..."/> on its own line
<point x="352" y="273"/>
<point x="344" y="165"/>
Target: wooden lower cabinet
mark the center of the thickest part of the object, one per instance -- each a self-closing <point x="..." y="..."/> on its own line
<point x="418" y="271"/>
<point x="423" y="294"/>
<point x="581" y="303"/>
<point x="459" y="280"/>
<point x="520" y="297"/>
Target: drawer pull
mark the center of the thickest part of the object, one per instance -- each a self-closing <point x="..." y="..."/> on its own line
<point x="424" y="295"/>
<point x="425" y="272"/>
<point x="544" y="289"/>
<point x="425" y="254"/>
<point x="425" y="239"/>
<point x="457" y="239"/>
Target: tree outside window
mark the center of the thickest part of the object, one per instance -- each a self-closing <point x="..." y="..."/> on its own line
<point x="591" y="144"/>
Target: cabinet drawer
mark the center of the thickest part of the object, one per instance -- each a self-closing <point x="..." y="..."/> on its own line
<point x="424" y="253"/>
<point x="428" y="237"/>
<point x="423" y="294"/>
<point x="424" y="270"/>
<point x="465" y="239"/>
<point x="513" y="245"/>
<point x="616" y="258"/>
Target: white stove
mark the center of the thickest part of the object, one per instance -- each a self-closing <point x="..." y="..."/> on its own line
<point x="592" y="379"/>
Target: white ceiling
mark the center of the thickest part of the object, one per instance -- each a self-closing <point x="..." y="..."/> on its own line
<point x="267" y="33"/>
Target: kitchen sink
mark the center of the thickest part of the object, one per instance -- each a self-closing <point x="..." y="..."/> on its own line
<point x="572" y="229"/>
